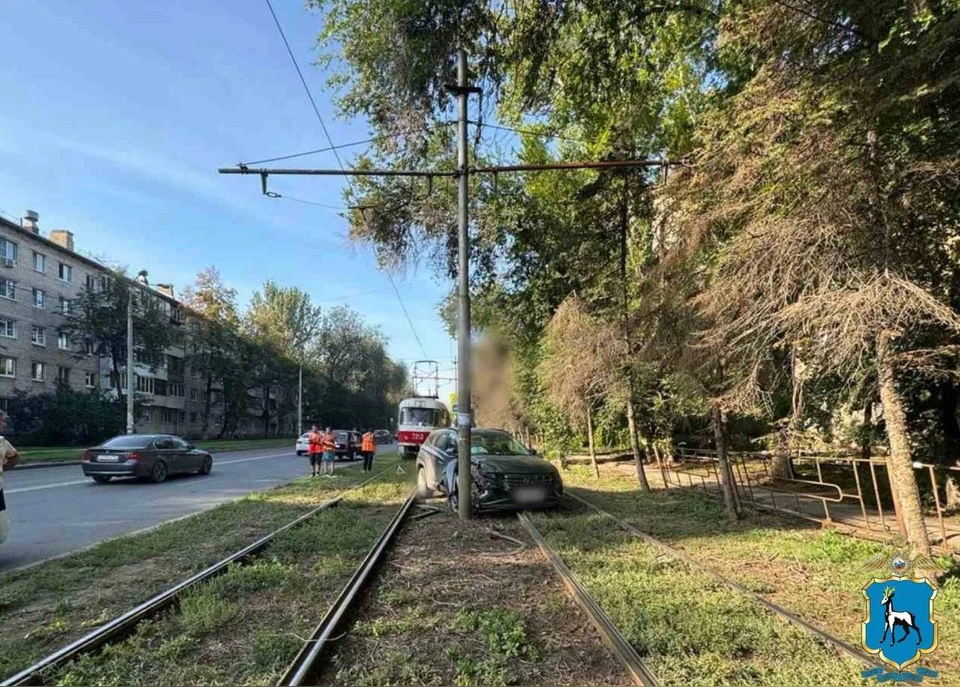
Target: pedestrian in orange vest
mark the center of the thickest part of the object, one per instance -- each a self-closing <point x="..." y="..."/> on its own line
<point x="368" y="448"/>
<point x="315" y="444"/>
<point x="329" y="456"/>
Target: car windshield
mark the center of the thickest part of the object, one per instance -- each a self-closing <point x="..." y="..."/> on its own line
<point x="305" y="435"/>
<point x="342" y="437"/>
<point x="128" y="442"/>
<point x="423" y="417"/>
<point x="496" y="444"/>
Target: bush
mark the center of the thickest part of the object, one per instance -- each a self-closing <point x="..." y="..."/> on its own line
<point x="65" y="418"/>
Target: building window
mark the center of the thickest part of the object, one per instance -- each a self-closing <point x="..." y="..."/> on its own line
<point x="8" y="328"/>
<point x="8" y="367"/>
<point x="193" y="418"/>
<point x="63" y="341"/>
<point x="91" y="282"/>
<point x="144" y="384"/>
<point x="64" y="305"/>
<point x="160" y="387"/>
<point x="8" y="289"/>
<point x="38" y="336"/>
<point x="66" y="273"/>
<point x="183" y="416"/>
<point x="169" y="415"/>
<point x="89" y="348"/>
<point x="63" y="375"/>
<point x="39" y="262"/>
<point x="8" y="252"/>
<point x="175" y="389"/>
<point x="193" y="394"/>
<point x="90" y="380"/>
<point x="39" y="298"/>
<point x="37" y="371"/>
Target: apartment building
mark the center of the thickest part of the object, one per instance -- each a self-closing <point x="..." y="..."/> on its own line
<point x="40" y="276"/>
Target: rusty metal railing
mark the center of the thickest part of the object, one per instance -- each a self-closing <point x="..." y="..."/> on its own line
<point x="830" y="489"/>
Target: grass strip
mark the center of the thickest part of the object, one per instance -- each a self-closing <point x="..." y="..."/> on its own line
<point x="813" y="572"/>
<point x="49" y="605"/>
<point x="245" y="626"/>
<point x="689" y="629"/>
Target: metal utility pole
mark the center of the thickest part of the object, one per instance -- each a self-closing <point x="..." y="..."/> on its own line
<point x="130" y="371"/>
<point x="464" y="419"/>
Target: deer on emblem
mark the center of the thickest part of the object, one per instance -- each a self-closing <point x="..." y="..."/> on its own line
<point x="894" y="619"/>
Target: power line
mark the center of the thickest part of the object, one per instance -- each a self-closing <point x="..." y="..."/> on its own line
<point x="530" y="132"/>
<point x="374" y="139"/>
<point x="336" y="154"/>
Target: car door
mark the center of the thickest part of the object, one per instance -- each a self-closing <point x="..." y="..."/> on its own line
<point x="188" y="459"/>
<point x="167" y="452"/>
<point x="445" y="451"/>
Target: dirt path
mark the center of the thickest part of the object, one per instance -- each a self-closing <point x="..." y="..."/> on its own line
<point x="457" y="604"/>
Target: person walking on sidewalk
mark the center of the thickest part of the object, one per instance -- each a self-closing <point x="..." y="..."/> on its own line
<point x="315" y="443"/>
<point x="367" y="448"/>
<point x="329" y="455"/>
<point x="8" y="458"/>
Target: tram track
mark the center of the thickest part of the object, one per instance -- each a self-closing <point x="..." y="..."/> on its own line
<point x="124" y="624"/>
<point x="817" y="633"/>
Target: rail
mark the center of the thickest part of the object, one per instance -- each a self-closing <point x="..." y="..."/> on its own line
<point x="307" y="662"/>
<point x="611" y="635"/>
<point x="813" y="630"/>
<point x="123" y="624"/>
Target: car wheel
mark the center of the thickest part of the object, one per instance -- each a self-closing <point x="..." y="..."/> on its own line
<point x="101" y="479"/>
<point x="159" y="472"/>
<point x="207" y="466"/>
<point x="423" y="491"/>
<point x="299" y="453"/>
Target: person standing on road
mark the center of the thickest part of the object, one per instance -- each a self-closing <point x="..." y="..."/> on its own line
<point x="329" y="455"/>
<point x="367" y="448"/>
<point x="8" y="458"/>
<point x="315" y="443"/>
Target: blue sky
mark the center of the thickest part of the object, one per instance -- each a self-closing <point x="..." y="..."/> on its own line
<point x="116" y="116"/>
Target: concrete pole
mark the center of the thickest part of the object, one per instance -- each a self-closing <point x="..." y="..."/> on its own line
<point x="464" y="419"/>
<point x="130" y="371"/>
<point x="300" y="402"/>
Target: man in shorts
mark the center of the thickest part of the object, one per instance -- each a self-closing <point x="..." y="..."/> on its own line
<point x="315" y="442"/>
<point x="329" y="456"/>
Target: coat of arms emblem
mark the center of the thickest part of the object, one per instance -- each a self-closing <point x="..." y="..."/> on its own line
<point x="898" y="624"/>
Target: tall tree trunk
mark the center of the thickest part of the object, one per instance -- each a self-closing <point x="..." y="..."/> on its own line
<point x="631" y="401"/>
<point x="206" y="408"/>
<point x="266" y="410"/>
<point x="900" y="460"/>
<point x="719" y="422"/>
<point x="593" y="452"/>
<point x="635" y="443"/>
<point x="116" y="381"/>
<point x="866" y="432"/>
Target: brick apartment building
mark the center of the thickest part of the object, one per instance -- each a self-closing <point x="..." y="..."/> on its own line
<point x="40" y="276"/>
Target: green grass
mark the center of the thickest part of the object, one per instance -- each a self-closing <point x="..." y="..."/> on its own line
<point x="39" y="454"/>
<point x="246" y="626"/>
<point x="688" y="629"/>
<point x="44" y="607"/>
<point x="816" y="573"/>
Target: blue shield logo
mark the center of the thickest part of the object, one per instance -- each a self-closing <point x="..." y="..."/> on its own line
<point x="899" y="624"/>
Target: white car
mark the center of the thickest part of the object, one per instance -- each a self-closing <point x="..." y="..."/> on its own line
<point x="303" y="444"/>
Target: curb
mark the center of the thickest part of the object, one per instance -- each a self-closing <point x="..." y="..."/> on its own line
<point x="43" y="464"/>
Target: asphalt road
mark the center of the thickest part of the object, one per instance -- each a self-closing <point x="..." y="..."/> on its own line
<point x="54" y="511"/>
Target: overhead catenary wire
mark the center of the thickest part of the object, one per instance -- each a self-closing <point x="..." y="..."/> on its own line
<point x="341" y="146"/>
<point x="336" y="154"/>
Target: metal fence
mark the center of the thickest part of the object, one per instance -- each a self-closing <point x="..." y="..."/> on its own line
<point x="841" y="490"/>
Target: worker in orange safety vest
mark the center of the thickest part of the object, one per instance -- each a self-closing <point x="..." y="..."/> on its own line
<point x="368" y="448"/>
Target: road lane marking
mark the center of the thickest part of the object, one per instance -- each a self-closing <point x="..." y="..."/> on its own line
<point x="45" y="486"/>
